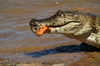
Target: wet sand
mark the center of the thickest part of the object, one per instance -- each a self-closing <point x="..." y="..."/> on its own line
<point x="19" y="45"/>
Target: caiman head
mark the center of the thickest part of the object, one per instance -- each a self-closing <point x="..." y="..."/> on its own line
<point x="63" y="22"/>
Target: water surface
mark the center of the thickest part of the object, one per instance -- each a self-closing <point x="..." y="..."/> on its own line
<point x="16" y="38"/>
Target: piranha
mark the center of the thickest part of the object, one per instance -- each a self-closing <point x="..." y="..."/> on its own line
<point x="72" y="24"/>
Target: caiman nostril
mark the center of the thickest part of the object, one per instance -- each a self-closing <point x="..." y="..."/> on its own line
<point x="33" y="22"/>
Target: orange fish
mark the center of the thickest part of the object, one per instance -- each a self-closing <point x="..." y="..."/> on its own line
<point x="42" y="30"/>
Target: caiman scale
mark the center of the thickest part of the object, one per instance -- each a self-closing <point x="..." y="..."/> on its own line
<point x="73" y="24"/>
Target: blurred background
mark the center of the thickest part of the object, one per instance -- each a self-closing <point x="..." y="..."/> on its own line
<point x="15" y="33"/>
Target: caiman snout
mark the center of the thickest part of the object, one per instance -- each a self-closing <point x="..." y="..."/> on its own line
<point x="38" y="28"/>
<point x="33" y="22"/>
<point x="33" y="25"/>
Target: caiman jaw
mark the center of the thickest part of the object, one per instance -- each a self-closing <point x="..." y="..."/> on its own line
<point x="33" y="29"/>
<point x="56" y="21"/>
<point x="38" y="30"/>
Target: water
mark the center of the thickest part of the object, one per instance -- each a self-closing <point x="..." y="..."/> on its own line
<point x="15" y="32"/>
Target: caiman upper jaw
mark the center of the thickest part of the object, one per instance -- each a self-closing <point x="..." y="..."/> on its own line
<point x="33" y="22"/>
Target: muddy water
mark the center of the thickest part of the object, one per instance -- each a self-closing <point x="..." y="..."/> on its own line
<point x="19" y="44"/>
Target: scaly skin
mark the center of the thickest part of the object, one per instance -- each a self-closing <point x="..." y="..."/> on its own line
<point x="81" y="26"/>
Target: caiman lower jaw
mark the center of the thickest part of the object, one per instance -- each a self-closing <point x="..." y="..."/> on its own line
<point x="39" y="30"/>
<point x="33" y="29"/>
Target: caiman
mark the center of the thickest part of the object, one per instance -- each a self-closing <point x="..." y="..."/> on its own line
<point x="72" y="24"/>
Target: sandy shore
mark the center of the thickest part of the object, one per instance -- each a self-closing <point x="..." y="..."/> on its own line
<point x="90" y="57"/>
<point x="93" y="59"/>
